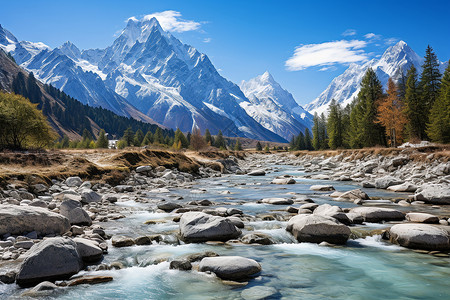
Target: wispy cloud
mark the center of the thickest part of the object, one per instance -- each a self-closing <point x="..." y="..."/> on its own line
<point x="326" y="54"/>
<point x="372" y="36"/>
<point x="390" y="41"/>
<point x="349" y="32"/>
<point x="171" y="20"/>
<point x="207" y="40"/>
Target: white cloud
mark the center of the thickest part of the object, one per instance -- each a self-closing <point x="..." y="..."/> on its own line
<point x="326" y="54"/>
<point x="349" y="32"/>
<point x="372" y="36"/>
<point x="390" y="41"/>
<point x="206" y="40"/>
<point x="171" y="20"/>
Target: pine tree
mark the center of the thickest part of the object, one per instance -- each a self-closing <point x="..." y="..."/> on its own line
<point x="345" y="120"/>
<point x="308" y="141"/>
<point x="138" y="138"/>
<point x="158" y="137"/>
<point x="414" y="107"/>
<point x="238" y="146"/>
<point x="439" y="125"/>
<point x="208" y="137"/>
<point x="102" y="140"/>
<point x="429" y="80"/>
<point x="334" y="125"/>
<point x="220" y="141"/>
<point x="258" y="146"/>
<point x="148" y="139"/>
<point x="179" y="137"/>
<point x="391" y="115"/>
<point x="365" y="132"/>
<point x="323" y="136"/>
<point x="315" y="132"/>
<point x="128" y="137"/>
<point x="300" y="141"/>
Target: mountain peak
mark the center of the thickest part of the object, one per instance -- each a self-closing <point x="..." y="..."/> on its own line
<point x="266" y="76"/>
<point x="69" y="49"/>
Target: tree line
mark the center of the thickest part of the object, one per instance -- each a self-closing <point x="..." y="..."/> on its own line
<point x="413" y="109"/>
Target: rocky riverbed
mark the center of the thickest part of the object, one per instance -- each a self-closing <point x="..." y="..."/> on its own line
<point x="266" y="226"/>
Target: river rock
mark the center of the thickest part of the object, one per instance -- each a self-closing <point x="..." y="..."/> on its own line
<point x="259" y="293"/>
<point x="88" y="250"/>
<point x="122" y="241"/>
<point x="41" y="290"/>
<point x="16" y="220"/>
<point x="74" y="181"/>
<point x="283" y="181"/>
<point x="89" y="279"/>
<point x="72" y="210"/>
<point x="433" y="193"/>
<point x="230" y="267"/>
<point x="420" y="236"/>
<point x="354" y="195"/>
<point x="89" y="196"/>
<point x="143" y="169"/>
<point x="168" y="206"/>
<point x="404" y="187"/>
<point x="257" y="238"/>
<point x="257" y="173"/>
<point x="422" y="218"/>
<point x="321" y="188"/>
<point x="182" y="265"/>
<point x="201" y="227"/>
<point x="310" y="206"/>
<point x="52" y="259"/>
<point x="378" y="214"/>
<point x="387" y="181"/>
<point x="277" y="201"/>
<point x="317" y="229"/>
<point x="327" y="210"/>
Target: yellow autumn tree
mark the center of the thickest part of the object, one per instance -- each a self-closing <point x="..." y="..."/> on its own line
<point x="390" y="114"/>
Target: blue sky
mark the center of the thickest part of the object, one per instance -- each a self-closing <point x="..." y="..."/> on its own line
<point x="304" y="44"/>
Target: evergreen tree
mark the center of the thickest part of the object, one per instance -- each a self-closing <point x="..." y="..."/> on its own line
<point x="323" y="136"/>
<point x="238" y="146"/>
<point x="308" y="141"/>
<point x="334" y="125"/>
<point x="179" y="137"/>
<point x="65" y="142"/>
<point x="365" y="132"/>
<point x="300" y="142"/>
<point x="258" y="146"/>
<point x="33" y="91"/>
<point x="439" y="125"/>
<point x="208" y="137"/>
<point x="414" y="107"/>
<point x="158" y="137"/>
<point x="148" y="139"/>
<point x="102" y="140"/>
<point x="429" y="80"/>
<point x="138" y="138"/>
<point x="315" y="132"/>
<point x="220" y="141"/>
<point x="128" y="137"/>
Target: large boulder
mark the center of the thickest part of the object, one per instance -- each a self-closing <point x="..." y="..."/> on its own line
<point x="433" y="193"/>
<point x="88" y="250"/>
<point x="89" y="196"/>
<point x="72" y="210"/>
<point x="404" y="187"/>
<point x="387" y="181"/>
<point x="230" y="267"/>
<point x="422" y="218"/>
<point x="17" y="220"/>
<point x="378" y="214"/>
<point x="327" y="210"/>
<point x="352" y="195"/>
<point x="74" y="181"/>
<point x="257" y="238"/>
<point x="420" y="236"/>
<point x="257" y="173"/>
<point x="317" y="229"/>
<point x="52" y="259"/>
<point x="201" y="227"/>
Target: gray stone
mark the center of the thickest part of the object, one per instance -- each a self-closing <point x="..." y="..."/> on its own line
<point x="257" y="173"/>
<point x="321" y="188"/>
<point x="143" y="169"/>
<point x="420" y="236"/>
<point x="41" y="290"/>
<point x="236" y="222"/>
<point x="123" y="188"/>
<point x="20" y="219"/>
<point x="354" y="195"/>
<point x="310" y="206"/>
<point x="122" y="241"/>
<point x="74" y="181"/>
<point x="378" y="214"/>
<point x="39" y="203"/>
<point x="327" y="210"/>
<point x="367" y="185"/>
<point x="257" y="238"/>
<point x="387" y="181"/>
<point x="230" y="267"/>
<point x="201" y="227"/>
<point x="168" y="206"/>
<point x="259" y="293"/>
<point x="24" y="244"/>
<point x="277" y="201"/>
<point x="317" y="229"/>
<point x="433" y="193"/>
<point x="422" y="218"/>
<point x="52" y="259"/>
<point x="404" y="187"/>
<point x="73" y="211"/>
<point x="88" y="250"/>
<point x="182" y="265"/>
<point x="283" y="181"/>
<point x="89" y="196"/>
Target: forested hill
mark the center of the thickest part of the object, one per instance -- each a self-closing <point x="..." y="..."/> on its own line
<point x="67" y="115"/>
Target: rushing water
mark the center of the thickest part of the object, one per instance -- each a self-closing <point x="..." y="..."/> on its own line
<point x="368" y="268"/>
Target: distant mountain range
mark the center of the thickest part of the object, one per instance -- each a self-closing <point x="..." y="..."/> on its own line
<point x="150" y="75"/>
<point x="345" y="87"/>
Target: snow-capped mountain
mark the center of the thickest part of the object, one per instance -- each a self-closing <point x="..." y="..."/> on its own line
<point x="345" y="87"/>
<point x="274" y="107"/>
<point x="170" y="82"/>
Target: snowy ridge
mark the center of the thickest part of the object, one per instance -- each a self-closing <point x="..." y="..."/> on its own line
<point x="345" y="87"/>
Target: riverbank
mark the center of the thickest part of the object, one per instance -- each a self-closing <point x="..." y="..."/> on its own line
<point x="260" y="207"/>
